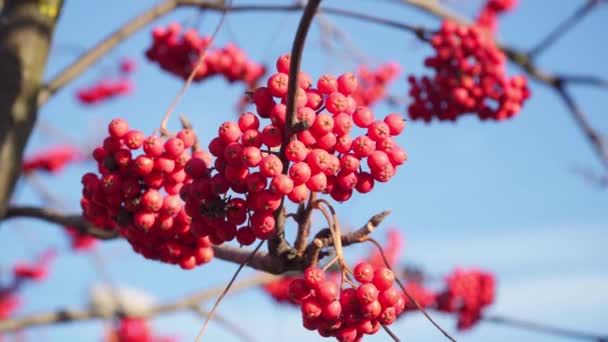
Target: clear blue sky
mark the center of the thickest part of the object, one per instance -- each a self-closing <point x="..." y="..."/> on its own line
<point x="499" y="196"/>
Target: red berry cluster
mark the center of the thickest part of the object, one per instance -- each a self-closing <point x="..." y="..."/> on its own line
<point x="350" y="313"/>
<point x="129" y="194"/>
<point x="109" y="88"/>
<point x="373" y="83"/>
<point x="488" y="16"/>
<point x="470" y="77"/>
<point x="392" y="249"/>
<point x="80" y="241"/>
<point x="325" y="157"/>
<point x="279" y="289"/>
<point x="178" y="53"/>
<point x="34" y="271"/>
<point x="23" y="272"/>
<point x="104" y="90"/>
<point x="133" y="329"/>
<point x="467" y="294"/>
<point x="51" y="160"/>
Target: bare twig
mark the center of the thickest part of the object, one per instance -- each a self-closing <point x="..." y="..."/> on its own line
<point x="233" y="327"/>
<point x="226" y="289"/>
<point x="544" y="328"/>
<point x="407" y="294"/>
<point x="563" y="27"/>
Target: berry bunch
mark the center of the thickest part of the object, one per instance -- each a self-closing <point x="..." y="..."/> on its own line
<point x="467" y="294"/>
<point x="51" y="160"/>
<point x="34" y="271"/>
<point x="80" y="241"/>
<point x="325" y="157"/>
<point x="178" y="53"/>
<point x="129" y="194"/>
<point x="133" y="329"/>
<point x="350" y="313"/>
<point x="392" y="250"/>
<point x="279" y="289"/>
<point x="104" y="90"/>
<point x="488" y="16"/>
<point x="470" y="77"/>
<point x="373" y="83"/>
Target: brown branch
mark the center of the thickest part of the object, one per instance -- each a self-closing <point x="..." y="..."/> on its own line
<point x="563" y="27"/>
<point x="277" y="245"/>
<point x="304" y="218"/>
<point x="544" y="328"/>
<point x="53" y="216"/>
<point x="594" y="137"/>
<point x="73" y="315"/>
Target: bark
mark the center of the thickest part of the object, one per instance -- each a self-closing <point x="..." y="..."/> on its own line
<point x="26" y="29"/>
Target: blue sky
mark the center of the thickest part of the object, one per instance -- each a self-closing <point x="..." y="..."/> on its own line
<point x="501" y="196"/>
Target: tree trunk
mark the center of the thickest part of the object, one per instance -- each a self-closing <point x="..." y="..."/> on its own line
<point x="26" y="28"/>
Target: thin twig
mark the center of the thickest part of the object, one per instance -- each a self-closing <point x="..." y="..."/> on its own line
<point x="225" y="292"/>
<point x="563" y="27"/>
<point x="544" y="328"/>
<point x="408" y="295"/>
<point x="233" y="327"/>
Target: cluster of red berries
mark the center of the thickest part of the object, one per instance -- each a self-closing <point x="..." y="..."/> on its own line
<point x="392" y="249"/>
<point x="34" y="271"/>
<point x="373" y="83"/>
<point x="129" y="194"/>
<point x="470" y="77"/>
<point x="80" y="241"/>
<point x="134" y="329"/>
<point x="488" y="16"/>
<point x="179" y="53"/>
<point x="106" y="89"/>
<point x="51" y="160"/>
<point x="348" y="314"/>
<point x="325" y="157"/>
<point x="467" y="294"/>
<point x="279" y="289"/>
<point x="23" y="272"/>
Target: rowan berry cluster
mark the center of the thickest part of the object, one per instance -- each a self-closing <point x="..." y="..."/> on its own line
<point x="279" y="289"/>
<point x="80" y="241"/>
<point x="51" y="160"/>
<point x="470" y="77"/>
<point x="325" y="157"/>
<point x="23" y="272"/>
<point x="467" y="294"/>
<point x="129" y="194"/>
<point x="348" y="314"/>
<point x="488" y="16"/>
<point x="392" y="250"/>
<point x="106" y="89"/>
<point x="134" y="329"/>
<point x="373" y="83"/>
<point x="178" y="53"/>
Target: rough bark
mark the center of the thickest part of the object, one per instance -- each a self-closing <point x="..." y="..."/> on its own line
<point x="26" y="28"/>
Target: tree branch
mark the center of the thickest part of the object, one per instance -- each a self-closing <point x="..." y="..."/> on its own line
<point x="563" y="27"/>
<point x="74" y="315"/>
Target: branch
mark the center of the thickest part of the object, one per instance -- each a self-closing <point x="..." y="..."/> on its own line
<point x="544" y="328"/>
<point x="563" y="27"/>
<point x="53" y="216"/>
<point x="595" y="138"/>
<point x="73" y="315"/>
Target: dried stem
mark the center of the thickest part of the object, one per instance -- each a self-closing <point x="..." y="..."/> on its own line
<point x="563" y="27"/>
<point x="225" y="292"/>
<point x="408" y="295"/>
